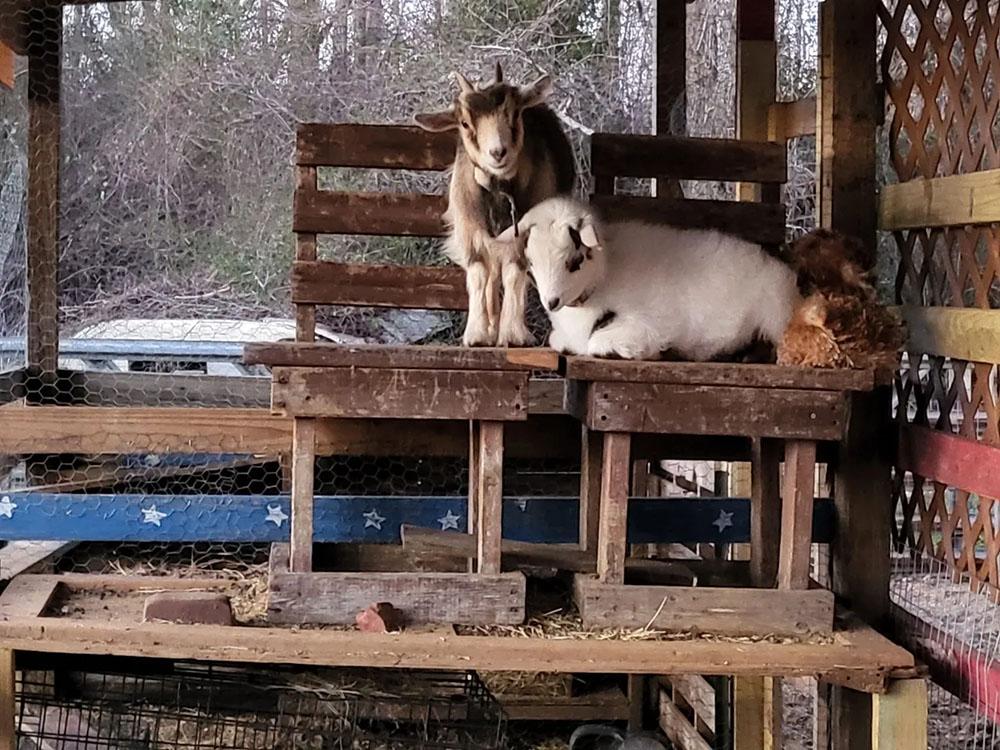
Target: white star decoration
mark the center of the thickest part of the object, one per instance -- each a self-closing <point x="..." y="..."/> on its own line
<point x="373" y="519"/>
<point x="275" y="515"/>
<point x="152" y="515"/>
<point x="522" y="504"/>
<point x="724" y="521"/>
<point x="7" y="507"/>
<point x="449" y="521"/>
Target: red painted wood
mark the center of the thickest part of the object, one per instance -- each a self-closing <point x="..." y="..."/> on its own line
<point x="956" y="461"/>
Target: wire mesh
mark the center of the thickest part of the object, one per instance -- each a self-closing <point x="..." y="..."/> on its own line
<point x="215" y="707"/>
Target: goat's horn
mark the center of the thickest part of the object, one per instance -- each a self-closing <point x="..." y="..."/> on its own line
<point x="499" y="73"/>
<point x="463" y="83"/>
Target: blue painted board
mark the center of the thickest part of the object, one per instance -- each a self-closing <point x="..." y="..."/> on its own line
<point x="374" y="519"/>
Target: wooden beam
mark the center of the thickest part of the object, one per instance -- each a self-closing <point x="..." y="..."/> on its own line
<point x="612" y="547"/>
<point x="717" y="610"/>
<point x="359" y="392"/>
<point x="17" y="557"/>
<point x="27" y="596"/>
<point x="297" y="354"/>
<point x="303" y="485"/>
<point x="489" y="488"/>
<point x="306" y="246"/>
<point x="899" y="717"/>
<point x="787" y="120"/>
<point x="757" y="709"/>
<point x="953" y="460"/>
<point x="677" y="728"/>
<point x="756" y="80"/>
<point x="669" y="100"/>
<point x="373" y="146"/>
<point x="323" y="282"/>
<point x="44" y="48"/>
<point x="797" y="502"/>
<point x="379" y="214"/>
<point x="591" y="464"/>
<point x="6" y="66"/>
<point x="847" y="116"/>
<point x="8" y="701"/>
<point x="952" y="201"/>
<point x="972" y="335"/>
<point x="765" y="511"/>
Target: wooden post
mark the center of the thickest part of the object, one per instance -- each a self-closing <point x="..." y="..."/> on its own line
<point x="303" y="476"/>
<point x="669" y="103"/>
<point x="756" y="77"/>
<point x="305" y="249"/>
<point x="636" y="701"/>
<point x="472" y="508"/>
<point x="611" y="542"/>
<point x="6" y="66"/>
<point x="8" y="709"/>
<point x="592" y="457"/>
<point x="757" y="713"/>
<point x="797" y="514"/>
<point x="490" y="501"/>
<point x="44" y="48"/>
<point x="765" y="511"/>
<point x="899" y="717"/>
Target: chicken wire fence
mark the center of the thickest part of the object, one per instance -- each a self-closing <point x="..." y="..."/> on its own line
<point x="111" y="705"/>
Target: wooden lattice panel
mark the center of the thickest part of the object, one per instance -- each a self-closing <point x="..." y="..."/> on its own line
<point x="940" y="65"/>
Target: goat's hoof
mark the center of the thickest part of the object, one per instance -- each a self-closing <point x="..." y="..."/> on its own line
<point x="479" y="339"/>
<point x="517" y="340"/>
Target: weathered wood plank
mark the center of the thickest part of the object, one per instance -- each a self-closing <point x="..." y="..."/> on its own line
<point x="677" y="728"/>
<point x="797" y="502"/>
<point x="422" y="287"/>
<point x="6" y="66"/>
<point x="765" y="511"/>
<point x="951" y="332"/>
<point x="757" y="713"/>
<point x="950" y="201"/>
<point x="591" y="463"/>
<point x="296" y="354"/>
<point x="8" y="701"/>
<point x="16" y="557"/>
<point x="373" y="146"/>
<point x="44" y="49"/>
<point x="378" y="214"/>
<point x="787" y="120"/>
<point x="489" y="501"/>
<point x="305" y="252"/>
<point x="336" y="598"/>
<point x="715" y="410"/>
<point x="899" y="717"/>
<point x="762" y="223"/>
<point x="27" y="596"/>
<point x="722" y="611"/>
<point x="358" y="392"/>
<point x="612" y="546"/>
<point x="303" y="482"/>
<point x="718" y="373"/>
<point x="629" y="155"/>
<point x="863" y="664"/>
<point x="603" y="705"/>
<point x="756" y="79"/>
<point x="697" y="693"/>
<point x="953" y="460"/>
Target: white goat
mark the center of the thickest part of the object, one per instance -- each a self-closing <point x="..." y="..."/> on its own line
<point x="636" y="290"/>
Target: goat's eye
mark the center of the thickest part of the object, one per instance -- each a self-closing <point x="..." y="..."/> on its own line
<point x="574" y="263"/>
<point x="465" y="124"/>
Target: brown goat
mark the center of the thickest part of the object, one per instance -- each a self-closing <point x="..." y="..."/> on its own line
<point x="512" y="155"/>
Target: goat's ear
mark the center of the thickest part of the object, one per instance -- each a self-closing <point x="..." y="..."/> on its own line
<point x="536" y="93"/>
<point x="463" y="83"/>
<point x="589" y="235"/>
<point x="437" y="121"/>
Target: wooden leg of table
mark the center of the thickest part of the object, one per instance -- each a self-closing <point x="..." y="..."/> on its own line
<point x="899" y="717"/>
<point x="757" y="706"/>
<point x="615" y="474"/>
<point x="303" y="476"/>
<point x="490" y="502"/>
<point x="590" y="487"/>
<point x="797" y="514"/>
<point x="8" y="710"/>
<point x="765" y="511"/>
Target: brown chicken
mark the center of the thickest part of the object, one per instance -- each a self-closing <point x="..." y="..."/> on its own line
<point x="840" y="322"/>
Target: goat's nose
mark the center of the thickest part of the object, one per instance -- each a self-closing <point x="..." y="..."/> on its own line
<point x="498" y="153"/>
<point x="553" y="303"/>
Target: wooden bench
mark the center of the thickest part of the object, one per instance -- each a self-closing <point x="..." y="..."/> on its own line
<point x="311" y="381"/>
<point x="784" y="411"/>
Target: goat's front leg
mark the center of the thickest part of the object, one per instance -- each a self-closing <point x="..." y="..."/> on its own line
<point x="623" y="339"/>
<point x="477" y="327"/>
<point x="513" y="329"/>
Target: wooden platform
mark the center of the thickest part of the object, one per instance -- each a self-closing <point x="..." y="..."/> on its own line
<point x="855" y="656"/>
